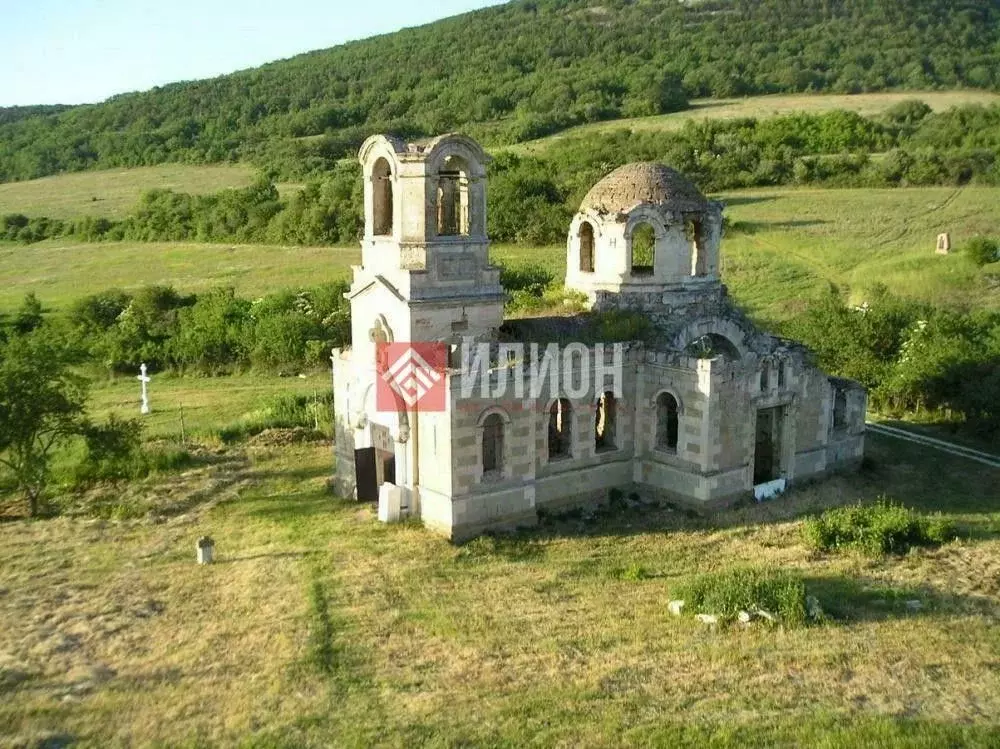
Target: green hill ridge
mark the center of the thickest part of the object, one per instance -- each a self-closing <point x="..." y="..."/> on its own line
<point x="513" y="73"/>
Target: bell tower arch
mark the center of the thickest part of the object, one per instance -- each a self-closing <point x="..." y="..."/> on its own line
<point x="425" y="253"/>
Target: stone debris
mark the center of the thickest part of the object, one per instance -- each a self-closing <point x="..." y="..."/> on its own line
<point x="744" y="617"/>
<point x="675" y="607"/>
<point x="813" y="609"/>
<point x="766" y="615"/>
<point x="710" y="619"/>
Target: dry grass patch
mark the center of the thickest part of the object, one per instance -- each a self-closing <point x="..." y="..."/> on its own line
<point x="320" y="626"/>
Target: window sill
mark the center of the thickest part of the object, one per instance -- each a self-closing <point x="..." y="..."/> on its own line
<point x="491" y="477"/>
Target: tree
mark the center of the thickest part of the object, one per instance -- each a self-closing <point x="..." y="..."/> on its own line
<point x="29" y="316"/>
<point x="41" y="406"/>
<point x="982" y="250"/>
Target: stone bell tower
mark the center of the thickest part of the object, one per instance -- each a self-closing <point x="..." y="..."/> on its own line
<point x="425" y="273"/>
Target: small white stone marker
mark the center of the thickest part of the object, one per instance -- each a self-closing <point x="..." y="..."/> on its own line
<point x="145" y="380"/>
<point x="710" y="619"/>
<point x="206" y="548"/>
<point x="943" y="244"/>
<point x="675" y="607"/>
<point x="744" y="617"/>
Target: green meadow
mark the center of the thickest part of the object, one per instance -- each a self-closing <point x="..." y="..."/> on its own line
<point x="760" y="107"/>
<point x="781" y="246"/>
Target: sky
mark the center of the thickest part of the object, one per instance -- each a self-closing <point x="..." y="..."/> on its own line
<point x="77" y="51"/>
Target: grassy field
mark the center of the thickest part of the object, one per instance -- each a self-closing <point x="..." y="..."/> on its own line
<point x="113" y="193"/>
<point x="788" y="244"/>
<point x="785" y="245"/>
<point x="59" y="272"/>
<point x="319" y="626"/>
<point x="768" y="106"/>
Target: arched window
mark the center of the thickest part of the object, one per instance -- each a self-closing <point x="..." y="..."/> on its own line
<point x="382" y="198"/>
<point x="712" y="345"/>
<point x="666" y="422"/>
<point x="560" y="431"/>
<point x="493" y="445"/>
<point x="586" y="247"/>
<point x="605" y="423"/>
<point x="453" y="198"/>
<point x="643" y="250"/>
<point x="765" y="376"/>
<point x="839" y="408"/>
<point x="699" y="248"/>
<point x="781" y="373"/>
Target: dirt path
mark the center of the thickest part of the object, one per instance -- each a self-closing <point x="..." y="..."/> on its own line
<point x="948" y="447"/>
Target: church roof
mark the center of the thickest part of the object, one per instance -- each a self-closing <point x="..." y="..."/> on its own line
<point x="643" y="182"/>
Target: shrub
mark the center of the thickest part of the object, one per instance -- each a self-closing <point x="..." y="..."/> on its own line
<point x="615" y="325"/>
<point x="880" y="528"/>
<point x="283" y="412"/>
<point x="635" y="572"/>
<point x="982" y="250"/>
<point x="112" y="450"/>
<point x="779" y="592"/>
<point x="280" y="340"/>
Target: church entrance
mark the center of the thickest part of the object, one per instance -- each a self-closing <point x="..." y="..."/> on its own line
<point x="375" y="465"/>
<point x="366" y="475"/>
<point x="767" y="451"/>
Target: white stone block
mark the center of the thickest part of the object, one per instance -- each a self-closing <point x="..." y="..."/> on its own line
<point x="390" y="502"/>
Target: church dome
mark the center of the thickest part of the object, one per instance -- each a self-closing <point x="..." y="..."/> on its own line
<point x="644" y="182"/>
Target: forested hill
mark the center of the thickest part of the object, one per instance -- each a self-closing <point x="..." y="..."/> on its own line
<point x="516" y="72"/>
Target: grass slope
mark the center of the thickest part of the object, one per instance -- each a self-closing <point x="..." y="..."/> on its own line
<point x="61" y="272"/>
<point x="113" y="193"/>
<point x="320" y="626"/>
<point x="801" y="241"/>
<point x="762" y="107"/>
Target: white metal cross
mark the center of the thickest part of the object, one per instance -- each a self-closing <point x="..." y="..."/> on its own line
<point x="145" y="380"/>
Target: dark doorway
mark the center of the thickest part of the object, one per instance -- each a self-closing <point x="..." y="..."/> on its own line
<point x="389" y="469"/>
<point x="365" y="474"/>
<point x="767" y="453"/>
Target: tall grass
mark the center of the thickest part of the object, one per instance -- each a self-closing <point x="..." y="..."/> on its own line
<point x="881" y="528"/>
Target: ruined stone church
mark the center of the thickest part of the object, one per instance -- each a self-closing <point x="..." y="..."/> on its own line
<point x="705" y="409"/>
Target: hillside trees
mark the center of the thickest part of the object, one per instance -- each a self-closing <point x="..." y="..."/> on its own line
<point x="533" y="197"/>
<point x="515" y="72"/>
<point x="910" y="356"/>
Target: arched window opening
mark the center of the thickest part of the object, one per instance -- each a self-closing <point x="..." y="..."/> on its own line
<point x="604" y="425"/>
<point x="699" y="247"/>
<point x="839" y="408"/>
<point x="560" y="433"/>
<point x="382" y="198"/>
<point x="643" y="250"/>
<point x="765" y="376"/>
<point x="586" y="247"/>
<point x="493" y="445"/>
<point x="666" y="422"/>
<point x="712" y="345"/>
<point x="453" y="198"/>
<point x="781" y="373"/>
